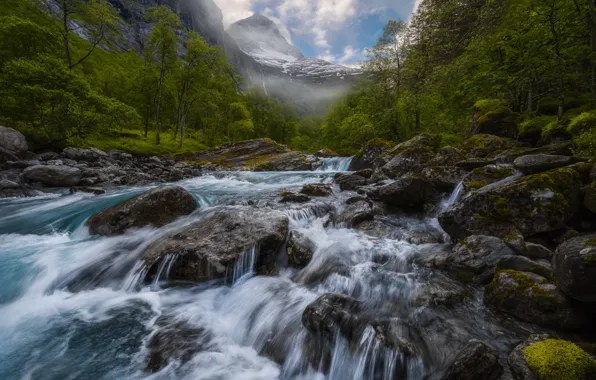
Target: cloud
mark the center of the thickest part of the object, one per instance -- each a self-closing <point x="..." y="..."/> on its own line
<point x="234" y="10"/>
<point x="349" y="57"/>
<point x="283" y="29"/>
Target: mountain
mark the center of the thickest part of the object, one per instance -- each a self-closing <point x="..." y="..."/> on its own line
<point x="285" y="73"/>
<point x="254" y="46"/>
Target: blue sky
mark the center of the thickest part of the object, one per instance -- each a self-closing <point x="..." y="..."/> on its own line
<point x="335" y="30"/>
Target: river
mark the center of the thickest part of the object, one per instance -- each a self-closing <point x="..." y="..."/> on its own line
<point x="75" y="307"/>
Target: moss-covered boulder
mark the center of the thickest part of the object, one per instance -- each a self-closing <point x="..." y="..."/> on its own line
<point x="574" y="265"/>
<point x="410" y="156"/>
<point x="367" y="156"/>
<point x="493" y="118"/>
<point x="529" y="205"/>
<point x="538" y="163"/>
<point x="155" y="208"/>
<point x="348" y="182"/>
<point x="532" y="298"/>
<point x="486" y="175"/>
<point x="487" y="146"/>
<point x="445" y="178"/>
<point x="542" y="357"/>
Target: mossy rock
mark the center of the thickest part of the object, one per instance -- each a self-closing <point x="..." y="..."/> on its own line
<point x="581" y="123"/>
<point x="487" y="146"/>
<point x="366" y="157"/>
<point x="557" y="359"/>
<point x="410" y="156"/>
<point x="533" y="204"/>
<point x="574" y="266"/>
<point x="486" y="175"/>
<point x="491" y="116"/>
<point x="532" y="298"/>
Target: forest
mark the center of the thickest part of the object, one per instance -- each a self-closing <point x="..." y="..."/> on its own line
<point x="530" y="61"/>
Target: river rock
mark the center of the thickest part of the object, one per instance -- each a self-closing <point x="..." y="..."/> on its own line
<point x="89" y="155"/>
<point x="532" y="298"/>
<point x="409" y="156"/>
<point x="7" y="184"/>
<point x="529" y="205"/>
<point x="476" y="361"/>
<point x="289" y="197"/>
<point x="574" y="265"/>
<point x="317" y="189"/>
<point x="474" y="259"/>
<point x="350" y="182"/>
<point x="537" y="251"/>
<point x="370" y="152"/>
<point x="486" y="175"/>
<point x="554" y="358"/>
<point x="538" y="163"/>
<point x="444" y="178"/>
<point x="409" y="192"/>
<point x="331" y="313"/>
<point x="58" y="176"/>
<point x="523" y="264"/>
<point x="485" y="146"/>
<point x="355" y="211"/>
<point x="156" y="208"/>
<point x="500" y="122"/>
<point x="300" y="249"/>
<point x="210" y="247"/>
<point x="13" y="144"/>
<point x="175" y="341"/>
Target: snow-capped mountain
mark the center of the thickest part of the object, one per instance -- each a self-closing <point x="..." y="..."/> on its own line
<point x="260" y="38"/>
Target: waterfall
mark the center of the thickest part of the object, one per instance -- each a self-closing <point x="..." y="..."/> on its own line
<point x="454" y="197"/>
<point x="335" y="164"/>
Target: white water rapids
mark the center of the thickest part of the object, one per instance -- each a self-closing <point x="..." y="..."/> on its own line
<point x="74" y="307"/>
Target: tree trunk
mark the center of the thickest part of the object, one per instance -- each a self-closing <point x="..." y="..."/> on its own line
<point x="158" y="103"/>
<point x="66" y="34"/>
<point x="592" y="29"/>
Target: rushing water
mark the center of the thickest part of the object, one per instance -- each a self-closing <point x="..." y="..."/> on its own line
<point x="71" y="306"/>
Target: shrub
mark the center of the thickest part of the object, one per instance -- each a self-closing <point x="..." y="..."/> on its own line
<point x="582" y="123"/>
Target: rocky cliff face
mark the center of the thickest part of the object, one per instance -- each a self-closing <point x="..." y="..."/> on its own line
<point x="254" y="46"/>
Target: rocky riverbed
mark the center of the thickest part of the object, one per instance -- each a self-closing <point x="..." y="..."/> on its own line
<point x="467" y="262"/>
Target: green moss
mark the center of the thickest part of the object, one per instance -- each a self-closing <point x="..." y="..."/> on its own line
<point x="474" y="185"/>
<point x="582" y="122"/>
<point x="496" y="172"/>
<point x="501" y="205"/>
<point x="379" y="143"/>
<point x="590" y="243"/>
<point x="590" y="258"/>
<point x="556" y="359"/>
<point x="523" y="282"/>
<point x="485" y="106"/>
<point x="535" y="125"/>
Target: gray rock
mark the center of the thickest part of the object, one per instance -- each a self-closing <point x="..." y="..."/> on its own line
<point x="317" y="189"/>
<point x="371" y="151"/>
<point x="409" y="156"/>
<point x="537" y="251"/>
<point x="523" y="264"/>
<point x="355" y="211"/>
<point x="532" y="298"/>
<point x="444" y="178"/>
<point x="7" y="184"/>
<point x="350" y="182"/>
<point x="590" y="197"/>
<point x="156" y="208"/>
<point x="88" y="189"/>
<point x="476" y="361"/>
<point x="198" y="253"/>
<point x="538" y="163"/>
<point x="517" y="359"/>
<point x="409" y="192"/>
<point x="474" y="259"/>
<point x="294" y="198"/>
<point x="58" y="176"/>
<point x="89" y="155"/>
<point x="13" y="144"/>
<point x="300" y="249"/>
<point x="574" y="265"/>
<point x="332" y="313"/>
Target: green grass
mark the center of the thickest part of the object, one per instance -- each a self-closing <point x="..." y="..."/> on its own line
<point x="135" y="143"/>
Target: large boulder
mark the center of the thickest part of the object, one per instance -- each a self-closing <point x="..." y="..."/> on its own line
<point x="475" y="258"/>
<point x="532" y="298"/>
<point x="89" y="155"/>
<point x="348" y="182"/>
<point x="574" y="266"/>
<point x="498" y="121"/>
<point x="524" y="264"/>
<point x="156" y="208"/>
<point x="444" y="178"/>
<point x="487" y="146"/>
<point x="409" y="192"/>
<point x="300" y="249"/>
<point x="538" y="163"/>
<point x="355" y="211"/>
<point x="369" y="154"/>
<point x="214" y="246"/>
<point x="529" y="205"/>
<point x="53" y="175"/>
<point x="13" y="144"/>
<point x="542" y="357"/>
<point x="409" y="157"/>
<point x="477" y="361"/>
<point x="317" y="189"/>
<point x="590" y="197"/>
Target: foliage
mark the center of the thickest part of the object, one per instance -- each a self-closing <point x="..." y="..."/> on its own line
<point x="555" y="359"/>
<point x="582" y="123"/>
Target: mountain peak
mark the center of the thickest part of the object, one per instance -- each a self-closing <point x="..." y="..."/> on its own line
<point x="258" y="19"/>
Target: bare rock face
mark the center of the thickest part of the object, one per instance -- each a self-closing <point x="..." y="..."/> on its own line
<point x="211" y="247"/>
<point x="574" y="265"/>
<point x="53" y="175"/>
<point x="155" y="208"/>
<point x="13" y="145"/>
